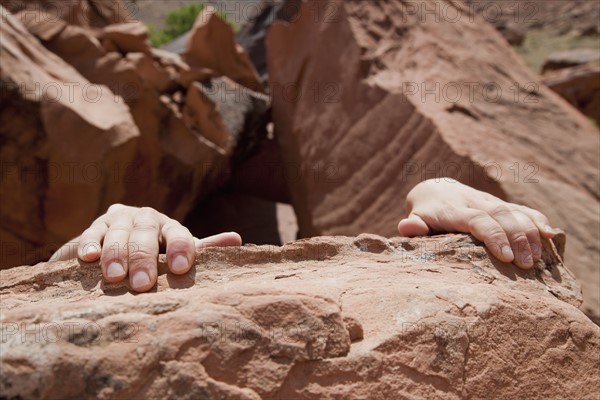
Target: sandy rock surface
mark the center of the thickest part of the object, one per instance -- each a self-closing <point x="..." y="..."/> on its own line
<point x="327" y="318"/>
<point x="370" y="98"/>
<point x="579" y="85"/>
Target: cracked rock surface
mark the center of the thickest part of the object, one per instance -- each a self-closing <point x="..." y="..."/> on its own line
<point x="321" y="318"/>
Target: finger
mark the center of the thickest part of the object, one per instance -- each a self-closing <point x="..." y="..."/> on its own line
<point x="143" y="246"/>
<point x="515" y="232"/>
<point x="485" y="228"/>
<point x="225" y="239"/>
<point x="180" y="246"/>
<point x="412" y="226"/>
<point x="114" y="250"/>
<point x="541" y="221"/>
<point x="532" y="232"/>
<point x="89" y="248"/>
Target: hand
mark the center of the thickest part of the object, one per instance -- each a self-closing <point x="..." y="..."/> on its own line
<point x="127" y="241"/>
<point x="511" y="232"/>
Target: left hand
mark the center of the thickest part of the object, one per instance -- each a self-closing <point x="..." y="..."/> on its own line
<point x="511" y="232"/>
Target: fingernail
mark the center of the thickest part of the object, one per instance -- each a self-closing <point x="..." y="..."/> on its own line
<point x="179" y="264"/>
<point x="140" y="279"/>
<point x="115" y="270"/>
<point x="89" y="250"/>
<point x="527" y="259"/>
<point x="507" y="253"/>
<point x="550" y="229"/>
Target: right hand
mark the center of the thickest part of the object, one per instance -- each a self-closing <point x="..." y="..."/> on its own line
<point x="127" y="241"/>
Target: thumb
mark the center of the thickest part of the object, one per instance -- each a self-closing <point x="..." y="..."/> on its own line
<point x="221" y="240"/>
<point x="413" y="226"/>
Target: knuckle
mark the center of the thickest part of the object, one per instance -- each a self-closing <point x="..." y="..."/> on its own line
<point x="146" y="219"/>
<point x="532" y="232"/>
<point x="113" y="252"/>
<point x="175" y="228"/>
<point x="180" y="243"/>
<point x="140" y="255"/>
<point x="118" y="228"/>
<point x="535" y="214"/>
<point x="147" y="211"/>
<point x="145" y="225"/>
<point x="519" y="238"/>
<point x="477" y="216"/>
<point x="501" y="210"/>
<point x="116" y="207"/>
<point x="495" y="234"/>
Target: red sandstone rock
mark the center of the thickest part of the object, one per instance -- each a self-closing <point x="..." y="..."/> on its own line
<point x="84" y="13"/>
<point x="129" y="37"/>
<point x="579" y="85"/>
<point x="212" y="45"/>
<point x="555" y="17"/>
<point x="182" y="149"/>
<point x="65" y="146"/>
<point x="325" y="318"/>
<point x="369" y="99"/>
<point x="571" y="58"/>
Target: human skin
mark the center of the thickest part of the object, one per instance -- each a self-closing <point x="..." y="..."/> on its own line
<point x="127" y="240"/>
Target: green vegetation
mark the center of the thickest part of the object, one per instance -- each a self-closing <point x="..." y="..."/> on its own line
<point x="178" y="22"/>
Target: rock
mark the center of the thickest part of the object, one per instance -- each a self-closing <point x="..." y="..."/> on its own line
<point x="179" y="167"/>
<point x="211" y="33"/>
<point x="251" y="35"/>
<point x="555" y="17"/>
<point x="579" y="85"/>
<point x="571" y="58"/>
<point x="159" y="78"/>
<point x="512" y="32"/>
<point x="65" y="147"/>
<point x="329" y="317"/>
<point x="373" y="99"/>
<point x="129" y="37"/>
<point x="184" y="134"/>
<point x="84" y="13"/>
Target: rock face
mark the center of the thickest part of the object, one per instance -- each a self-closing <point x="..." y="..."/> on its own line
<point x="571" y="58"/>
<point x="570" y="18"/>
<point x="65" y="147"/>
<point x="370" y="98"/>
<point x="92" y="115"/>
<point x="327" y="318"/>
<point x="211" y="32"/>
<point x="579" y="85"/>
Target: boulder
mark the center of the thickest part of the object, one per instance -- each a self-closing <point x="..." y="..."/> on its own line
<point x="131" y="37"/>
<point x="211" y="44"/>
<point x="66" y="145"/>
<point x="579" y="85"/>
<point x="162" y="126"/>
<point x="555" y="17"/>
<point x="84" y="13"/>
<point x="324" y="318"/>
<point x="370" y="99"/>
<point x="251" y="35"/>
<point x="571" y="58"/>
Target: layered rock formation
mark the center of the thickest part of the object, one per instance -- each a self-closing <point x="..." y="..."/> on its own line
<point x="579" y="85"/>
<point x="65" y="147"/>
<point x="92" y="115"/>
<point x="328" y="318"/>
<point x="370" y="98"/>
<point x="570" y="18"/>
<point x="571" y="58"/>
